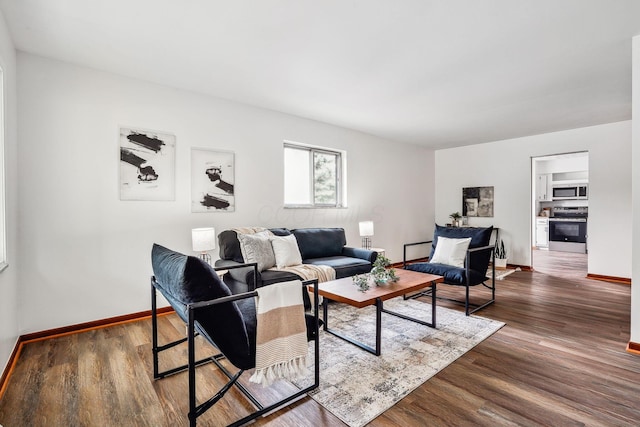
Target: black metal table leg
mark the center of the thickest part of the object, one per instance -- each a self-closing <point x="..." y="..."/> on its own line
<point x="324" y="313"/>
<point x="413" y="319"/>
<point x="433" y="304"/>
<point x="379" y="310"/>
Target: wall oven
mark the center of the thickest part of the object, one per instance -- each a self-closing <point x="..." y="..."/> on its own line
<point x="568" y="234"/>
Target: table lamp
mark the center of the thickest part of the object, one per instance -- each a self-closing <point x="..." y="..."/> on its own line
<point x="203" y="240"/>
<point x="366" y="231"/>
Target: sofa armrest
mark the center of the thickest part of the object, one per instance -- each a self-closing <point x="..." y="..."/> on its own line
<point x="241" y="272"/>
<point x="361" y="253"/>
<point x="404" y="250"/>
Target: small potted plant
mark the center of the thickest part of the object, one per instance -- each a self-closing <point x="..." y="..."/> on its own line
<point x="500" y="257"/>
<point x="456" y="218"/>
<point x="379" y="275"/>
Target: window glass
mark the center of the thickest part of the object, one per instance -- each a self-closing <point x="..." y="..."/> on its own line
<point x="325" y="178"/>
<point x="297" y="165"/>
<point x="312" y="176"/>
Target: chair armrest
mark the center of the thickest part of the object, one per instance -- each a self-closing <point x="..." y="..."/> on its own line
<point x="476" y="251"/>
<point x="361" y="253"/>
<point x="482" y="248"/>
<point x="404" y="250"/>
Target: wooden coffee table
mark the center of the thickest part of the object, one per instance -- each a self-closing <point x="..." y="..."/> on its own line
<point x="344" y="291"/>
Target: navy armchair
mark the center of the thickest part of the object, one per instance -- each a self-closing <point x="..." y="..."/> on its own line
<point x="476" y="263"/>
<point x="226" y="321"/>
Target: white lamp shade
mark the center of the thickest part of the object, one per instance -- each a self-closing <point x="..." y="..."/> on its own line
<point x="203" y="239"/>
<point x="366" y="228"/>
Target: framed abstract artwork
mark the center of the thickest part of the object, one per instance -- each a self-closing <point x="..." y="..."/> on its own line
<point x="212" y="181"/>
<point x="477" y="201"/>
<point x="147" y="165"/>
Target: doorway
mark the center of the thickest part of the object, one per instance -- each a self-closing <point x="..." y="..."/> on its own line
<point x="559" y="215"/>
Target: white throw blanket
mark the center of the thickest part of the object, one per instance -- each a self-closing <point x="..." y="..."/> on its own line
<point x="323" y="273"/>
<point x="281" y="336"/>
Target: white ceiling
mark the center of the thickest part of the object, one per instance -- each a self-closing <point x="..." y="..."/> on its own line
<point x="440" y="73"/>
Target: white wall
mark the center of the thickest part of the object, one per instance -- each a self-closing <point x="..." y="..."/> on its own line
<point x="88" y="253"/>
<point x="506" y="165"/>
<point x="635" y="283"/>
<point x="9" y="277"/>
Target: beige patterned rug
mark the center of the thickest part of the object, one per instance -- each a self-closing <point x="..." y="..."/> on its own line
<point x="357" y="386"/>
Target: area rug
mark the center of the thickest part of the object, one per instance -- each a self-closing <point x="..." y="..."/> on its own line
<point x="357" y="386"/>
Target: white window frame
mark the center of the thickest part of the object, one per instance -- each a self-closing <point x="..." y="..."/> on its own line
<point x="3" y="228"/>
<point x="341" y="192"/>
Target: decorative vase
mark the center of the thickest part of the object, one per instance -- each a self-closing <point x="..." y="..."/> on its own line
<point x="501" y="263"/>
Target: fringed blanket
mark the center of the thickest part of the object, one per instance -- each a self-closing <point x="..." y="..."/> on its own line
<point x="281" y="341"/>
<point x="323" y="273"/>
<point x="251" y="230"/>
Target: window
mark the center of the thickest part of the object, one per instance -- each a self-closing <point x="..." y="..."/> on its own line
<point x="3" y="234"/>
<point x="313" y="176"/>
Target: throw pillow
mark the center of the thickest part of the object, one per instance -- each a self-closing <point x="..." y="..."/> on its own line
<point x="257" y="248"/>
<point x="451" y="251"/>
<point x="286" y="251"/>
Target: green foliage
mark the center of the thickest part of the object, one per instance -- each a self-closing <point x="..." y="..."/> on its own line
<point x="501" y="252"/>
<point x="379" y="274"/>
<point x="325" y="178"/>
<point x="455" y="215"/>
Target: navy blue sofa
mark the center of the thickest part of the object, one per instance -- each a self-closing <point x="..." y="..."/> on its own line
<point x="322" y="246"/>
<point x="479" y="256"/>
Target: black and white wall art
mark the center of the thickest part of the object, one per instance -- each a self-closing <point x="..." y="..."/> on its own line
<point x="477" y="201"/>
<point x="147" y="165"/>
<point x="212" y="181"/>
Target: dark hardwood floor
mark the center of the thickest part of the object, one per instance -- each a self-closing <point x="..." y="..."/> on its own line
<point x="560" y="360"/>
<point x="560" y="264"/>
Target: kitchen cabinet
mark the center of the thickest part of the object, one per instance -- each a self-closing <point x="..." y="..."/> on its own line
<point x="543" y="187"/>
<point x="542" y="232"/>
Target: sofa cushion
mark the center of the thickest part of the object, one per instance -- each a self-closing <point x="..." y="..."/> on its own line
<point x="257" y="248"/>
<point x="479" y="237"/>
<point x="269" y="277"/>
<point x="452" y="275"/>
<point x="344" y="266"/>
<point x="186" y="279"/>
<point x="286" y="251"/>
<point x="320" y="242"/>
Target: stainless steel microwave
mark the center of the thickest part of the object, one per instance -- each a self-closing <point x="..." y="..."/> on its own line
<point x="570" y="192"/>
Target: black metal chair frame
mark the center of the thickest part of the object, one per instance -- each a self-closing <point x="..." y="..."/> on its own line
<point x="195" y="410"/>
<point x="469" y="308"/>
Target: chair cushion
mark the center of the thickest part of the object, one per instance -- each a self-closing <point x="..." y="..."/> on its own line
<point x="479" y="237"/>
<point x="452" y="275"/>
<point x="186" y="279"/>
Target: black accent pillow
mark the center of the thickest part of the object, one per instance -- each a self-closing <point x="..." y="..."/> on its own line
<point x="229" y="246"/>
